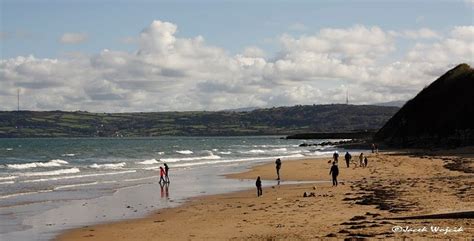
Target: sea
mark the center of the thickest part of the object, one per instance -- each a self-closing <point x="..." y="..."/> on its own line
<point x="46" y="182"/>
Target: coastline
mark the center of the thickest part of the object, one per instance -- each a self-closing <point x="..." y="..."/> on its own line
<point x="393" y="185"/>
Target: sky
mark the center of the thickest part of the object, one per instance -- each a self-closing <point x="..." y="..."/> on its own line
<point x="133" y="56"/>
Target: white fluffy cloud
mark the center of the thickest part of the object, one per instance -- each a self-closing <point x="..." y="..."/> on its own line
<point x="167" y="72"/>
<point x="423" y="33"/>
<point x="73" y="38"/>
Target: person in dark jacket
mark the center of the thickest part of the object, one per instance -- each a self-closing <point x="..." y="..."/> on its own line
<point x="348" y="158"/>
<point x="334" y="172"/>
<point x="278" y="166"/>
<point x="335" y="156"/>
<point x="167" y="178"/>
<point x="258" y="183"/>
<point x="366" y="161"/>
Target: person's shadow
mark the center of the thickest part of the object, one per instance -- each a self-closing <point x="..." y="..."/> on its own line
<point x="164" y="188"/>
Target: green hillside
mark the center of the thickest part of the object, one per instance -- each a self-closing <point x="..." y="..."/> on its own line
<point x="281" y="120"/>
<point x="442" y="114"/>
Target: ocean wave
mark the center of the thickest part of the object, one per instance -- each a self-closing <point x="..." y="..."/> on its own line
<point x="52" y="173"/>
<point x="210" y="157"/>
<point x="233" y="160"/>
<point x="9" y="149"/>
<point x="274" y="146"/>
<point x="148" y="162"/>
<point x="108" y="165"/>
<point x="68" y="154"/>
<point x="52" y="163"/>
<point x="185" y="152"/>
<point x="319" y="153"/>
<point x="254" y="151"/>
<point x="8" y="182"/>
<point x="78" y="176"/>
<point x="280" y="149"/>
<point x="225" y="152"/>
<point x="161" y="153"/>
<point x="8" y="178"/>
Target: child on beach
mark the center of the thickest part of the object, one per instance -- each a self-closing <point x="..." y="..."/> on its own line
<point x="335" y="156"/>
<point x="258" y="183"/>
<point x="361" y="159"/>
<point x="365" y="161"/>
<point x="162" y="174"/>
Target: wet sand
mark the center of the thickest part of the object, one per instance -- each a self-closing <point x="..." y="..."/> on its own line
<point x="365" y="204"/>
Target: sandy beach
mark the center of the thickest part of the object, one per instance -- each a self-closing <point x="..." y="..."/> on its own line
<point x="365" y="204"/>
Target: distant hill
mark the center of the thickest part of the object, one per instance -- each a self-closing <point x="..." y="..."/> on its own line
<point x="442" y="114"/>
<point x="244" y="109"/>
<point x="278" y="121"/>
<point x="397" y="103"/>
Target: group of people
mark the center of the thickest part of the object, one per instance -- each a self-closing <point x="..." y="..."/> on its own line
<point x="334" y="170"/>
<point x="363" y="161"/>
<point x="375" y="148"/>
<point x="258" y="183"/>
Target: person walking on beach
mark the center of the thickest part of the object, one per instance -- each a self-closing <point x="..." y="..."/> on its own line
<point x="334" y="172"/>
<point x="361" y="159"/>
<point x="278" y="166"/>
<point x="366" y="161"/>
<point x="348" y="158"/>
<point x="258" y="183"/>
<point x="167" y="178"/>
<point x="373" y="148"/>
<point x="335" y="156"/>
<point x="162" y="174"/>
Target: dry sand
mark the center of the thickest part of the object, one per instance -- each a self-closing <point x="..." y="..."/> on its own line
<point x="393" y="185"/>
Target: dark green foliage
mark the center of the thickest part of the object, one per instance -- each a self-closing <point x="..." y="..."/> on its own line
<point x="442" y="114"/>
<point x="281" y="120"/>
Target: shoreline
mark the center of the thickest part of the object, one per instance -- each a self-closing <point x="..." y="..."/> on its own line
<point x="393" y="185"/>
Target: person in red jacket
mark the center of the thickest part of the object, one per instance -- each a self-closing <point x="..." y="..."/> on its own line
<point x="162" y="175"/>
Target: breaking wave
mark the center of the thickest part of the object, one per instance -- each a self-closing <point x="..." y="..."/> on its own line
<point x="108" y="165"/>
<point x="52" y="163"/>
<point x="51" y="173"/>
<point x="185" y="152"/>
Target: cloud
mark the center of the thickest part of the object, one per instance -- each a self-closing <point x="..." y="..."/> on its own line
<point x="73" y="38"/>
<point x="458" y="45"/>
<point x="463" y="32"/>
<point x="423" y="33"/>
<point x="358" y="44"/>
<point x="167" y="72"/>
<point x="253" y="51"/>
